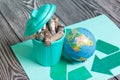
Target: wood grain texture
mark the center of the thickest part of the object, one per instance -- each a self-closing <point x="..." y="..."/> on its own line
<point x="15" y="13"/>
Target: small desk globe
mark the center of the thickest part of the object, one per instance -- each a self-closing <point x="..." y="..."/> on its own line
<point x="79" y="44"/>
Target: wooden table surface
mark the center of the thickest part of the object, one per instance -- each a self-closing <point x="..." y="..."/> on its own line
<point x="15" y="13"/>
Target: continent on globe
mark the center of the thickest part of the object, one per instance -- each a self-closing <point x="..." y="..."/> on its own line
<point x="80" y="42"/>
<point x="81" y="59"/>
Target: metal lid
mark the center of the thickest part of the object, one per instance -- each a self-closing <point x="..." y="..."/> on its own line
<point x="39" y="17"/>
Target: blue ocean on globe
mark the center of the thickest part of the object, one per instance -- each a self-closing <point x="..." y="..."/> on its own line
<point x="79" y="44"/>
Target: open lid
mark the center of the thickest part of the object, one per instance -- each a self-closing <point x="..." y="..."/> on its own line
<point x="39" y="17"/>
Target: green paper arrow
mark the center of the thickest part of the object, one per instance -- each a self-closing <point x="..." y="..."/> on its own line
<point x="79" y="74"/>
<point x="58" y="71"/>
<point x="105" y="47"/>
<point x="106" y="64"/>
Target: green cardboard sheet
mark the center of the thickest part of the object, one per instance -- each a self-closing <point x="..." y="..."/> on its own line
<point x="104" y="64"/>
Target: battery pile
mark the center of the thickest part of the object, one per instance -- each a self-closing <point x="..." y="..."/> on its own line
<point x="51" y="31"/>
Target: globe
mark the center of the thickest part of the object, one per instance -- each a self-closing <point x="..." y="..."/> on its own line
<point x="79" y="44"/>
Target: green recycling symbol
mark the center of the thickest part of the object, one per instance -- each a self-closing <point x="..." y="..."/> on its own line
<point x="59" y="71"/>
